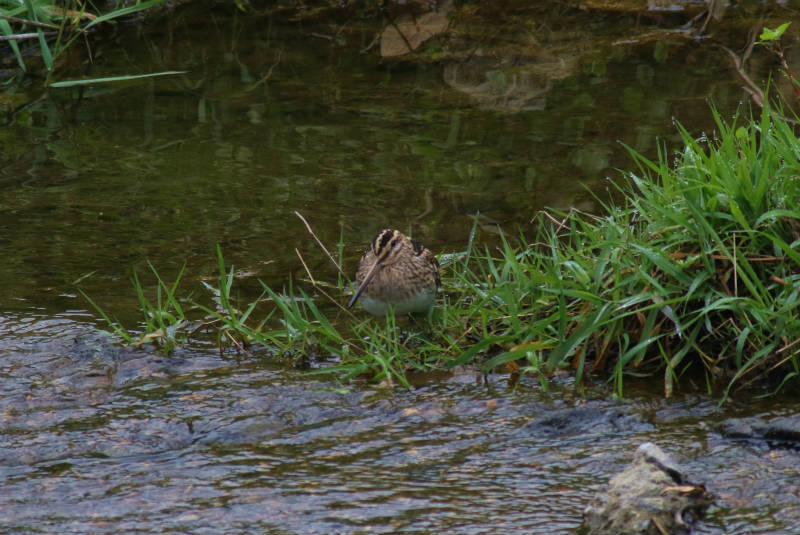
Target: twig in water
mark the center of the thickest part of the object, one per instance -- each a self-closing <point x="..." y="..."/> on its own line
<point x="755" y="92"/>
<point x="308" y="227"/>
<point x="373" y="43"/>
<point x="559" y="224"/>
<point x="319" y="287"/>
<point x="310" y="276"/>
<point x="773" y="367"/>
<point x="235" y="342"/>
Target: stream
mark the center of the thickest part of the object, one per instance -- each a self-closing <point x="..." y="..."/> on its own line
<point x="275" y="115"/>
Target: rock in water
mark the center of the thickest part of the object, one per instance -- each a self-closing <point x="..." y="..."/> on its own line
<point x="650" y="497"/>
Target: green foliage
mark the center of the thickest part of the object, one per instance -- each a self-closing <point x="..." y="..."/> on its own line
<point x="56" y="24"/>
<point x="699" y="266"/>
<point x="773" y="35"/>
<point x="117" y="328"/>
<point x="697" y="269"/>
<point x="108" y="79"/>
<point x="164" y="318"/>
<point x="232" y="321"/>
<point x="771" y="40"/>
<point x="164" y="321"/>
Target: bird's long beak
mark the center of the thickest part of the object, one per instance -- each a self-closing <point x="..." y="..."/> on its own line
<point x="364" y="284"/>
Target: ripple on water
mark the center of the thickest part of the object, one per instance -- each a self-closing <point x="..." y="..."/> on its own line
<point x="100" y="438"/>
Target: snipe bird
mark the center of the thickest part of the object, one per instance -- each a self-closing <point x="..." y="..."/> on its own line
<point x="397" y="273"/>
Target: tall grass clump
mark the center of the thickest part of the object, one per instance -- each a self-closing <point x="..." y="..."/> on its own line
<point x="697" y="268"/>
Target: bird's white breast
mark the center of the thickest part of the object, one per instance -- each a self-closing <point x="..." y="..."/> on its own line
<point x="419" y="302"/>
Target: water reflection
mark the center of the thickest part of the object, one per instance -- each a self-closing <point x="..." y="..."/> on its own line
<point x="267" y="121"/>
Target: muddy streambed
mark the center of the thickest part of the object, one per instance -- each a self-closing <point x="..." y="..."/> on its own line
<point x="102" y="439"/>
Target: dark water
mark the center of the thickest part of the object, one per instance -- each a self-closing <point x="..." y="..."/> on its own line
<point x="270" y="119"/>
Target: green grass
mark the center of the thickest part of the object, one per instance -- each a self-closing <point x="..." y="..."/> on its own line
<point x="52" y="27"/>
<point x="695" y="273"/>
<point x="164" y="322"/>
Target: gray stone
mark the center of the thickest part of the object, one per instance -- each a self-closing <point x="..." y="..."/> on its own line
<point x="650" y="497"/>
<point x="779" y="430"/>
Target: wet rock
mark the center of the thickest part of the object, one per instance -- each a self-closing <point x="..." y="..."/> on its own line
<point x="650" y="497"/>
<point x="408" y="32"/>
<point x="141" y="437"/>
<point x="120" y="438"/>
<point x="586" y="420"/>
<point x="781" y="430"/>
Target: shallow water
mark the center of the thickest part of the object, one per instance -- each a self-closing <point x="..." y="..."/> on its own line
<point x="104" y="440"/>
<point x="268" y="119"/>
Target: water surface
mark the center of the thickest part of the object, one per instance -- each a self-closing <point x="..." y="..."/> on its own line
<point x="100" y="440"/>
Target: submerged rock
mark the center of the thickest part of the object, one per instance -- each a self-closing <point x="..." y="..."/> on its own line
<point x="586" y="422"/>
<point x="777" y="431"/>
<point x="650" y="497"/>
